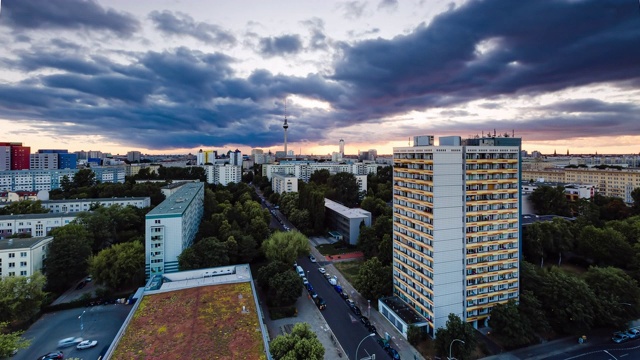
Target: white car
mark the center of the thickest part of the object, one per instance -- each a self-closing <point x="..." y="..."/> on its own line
<point x="87" y="344"/>
<point x="71" y="341"/>
<point x="305" y="281"/>
<point x="312" y="258"/>
<point x="322" y="270"/>
<point x="333" y="280"/>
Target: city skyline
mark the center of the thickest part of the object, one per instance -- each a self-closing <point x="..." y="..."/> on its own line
<point x="168" y="78"/>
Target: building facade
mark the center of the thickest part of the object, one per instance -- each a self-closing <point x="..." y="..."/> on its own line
<point x="223" y="174"/>
<point x="23" y="256"/>
<point x="456" y="228"/>
<point x="346" y="220"/>
<point x="43" y="161"/>
<point x="37" y="225"/>
<point x="282" y="183"/>
<point x="79" y="205"/>
<point x="36" y="180"/>
<point x="171" y="227"/>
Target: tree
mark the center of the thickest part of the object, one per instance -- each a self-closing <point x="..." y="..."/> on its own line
<point x="269" y="271"/>
<point x="21" y="296"/>
<point x="635" y="195"/>
<point x="66" y="184"/>
<point x="68" y="256"/>
<point x="119" y="266"/>
<point x="550" y="200"/>
<point x="286" y="246"/>
<point x="368" y="242"/>
<point x="456" y="329"/>
<point x="11" y="341"/>
<point x="569" y="303"/>
<point x="320" y="177"/>
<point x="343" y="188"/>
<point x="84" y="178"/>
<point x="284" y="288"/>
<point x="374" y="280"/>
<point x="617" y="295"/>
<point x="604" y="246"/>
<point x="301" y="344"/>
<point x="415" y="334"/>
<point x="206" y="253"/>
<point x="510" y="325"/>
<point x="24" y="207"/>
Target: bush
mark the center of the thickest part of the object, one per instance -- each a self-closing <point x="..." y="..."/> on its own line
<point x="276" y="313"/>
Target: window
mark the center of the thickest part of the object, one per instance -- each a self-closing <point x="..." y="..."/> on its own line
<point x="157" y="222"/>
<point x="23" y="263"/>
<point x="23" y="273"/>
<point x="12" y="255"/>
<point x="23" y="254"/>
<point x="12" y="273"/>
<point x="12" y="264"/>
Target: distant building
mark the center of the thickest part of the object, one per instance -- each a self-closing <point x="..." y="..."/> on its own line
<point x="23" y="256"/>
<point x="43" y="161"/>
<point x="19" y="156"/>
<point x="346" y="220"/>
<point x="235" y="158"/>
<point x="5" y="157"/>
<point x="35" y="224"/>
<point x="171" y="227"/>
<point x="223" y="174"/>
<point x="79" y="205"/>
<point x="282" y="183"/>
<point x="341" y="148"/>
<point x="134" y="156"/>
<point x="303" y="170"/>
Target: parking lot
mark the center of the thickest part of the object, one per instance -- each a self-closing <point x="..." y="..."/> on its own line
<point x="99" y="323"/>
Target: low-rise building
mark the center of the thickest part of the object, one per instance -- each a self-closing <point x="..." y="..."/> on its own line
<point x="35" y="224"/>
<point x="78" y="205"/>
<point x="346" y="220"/>
<point x="23" y="256"/>
<point x="282" y="183"/>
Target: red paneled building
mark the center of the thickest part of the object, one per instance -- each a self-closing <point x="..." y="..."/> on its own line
<point x="20" y="155"/>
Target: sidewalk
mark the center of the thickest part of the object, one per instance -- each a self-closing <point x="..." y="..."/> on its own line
<point x="383" y="326"/>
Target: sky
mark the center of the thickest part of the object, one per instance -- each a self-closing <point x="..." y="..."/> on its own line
<point x="176" y="76"/>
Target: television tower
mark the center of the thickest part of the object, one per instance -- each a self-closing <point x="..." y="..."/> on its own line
<point x="285" y="126"/>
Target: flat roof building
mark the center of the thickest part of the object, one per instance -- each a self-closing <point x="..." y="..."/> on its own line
<point x="282" y="183"/>
<point x="171" y="227"/>
<point x="346" y="220"/>
<point x="23" y="256"/>
<point x="35" y="224"/>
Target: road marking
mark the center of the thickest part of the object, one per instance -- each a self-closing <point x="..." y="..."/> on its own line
<point x="623" y="355"/>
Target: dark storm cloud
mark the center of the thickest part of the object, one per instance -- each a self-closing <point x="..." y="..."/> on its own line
<point x="591" y="106"/>
<point x="530" y="48"/>
<point x="280" y="45"/>
<point x="30" y="61"/>
<point x="66" y="14"/>
<point x="184" y="25"/>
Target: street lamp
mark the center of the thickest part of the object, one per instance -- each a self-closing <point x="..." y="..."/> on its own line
<point x="363" y="339"/>
<point x="450" y="345"/>
<point x="81" y="324"/>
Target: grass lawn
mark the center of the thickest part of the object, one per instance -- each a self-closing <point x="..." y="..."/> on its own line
<point x="349" y="269"/>
<point x="330" y="249"/>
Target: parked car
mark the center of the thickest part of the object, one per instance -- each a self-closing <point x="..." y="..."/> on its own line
<point x="633" y="333"/>
<point x="619" y="337"/>
<point x="309" y="287"/>
<point x="344" y="295"/>
<point x="351" y="303"/>
<point x="320" y="303"/>
<point x="356" y="310"/>
<point x="372" y="329"/>
<point x="80" y="285"/>
<point x="333" y="280"/>
<point x="52" y="356"/>
<point x="322" y="270"/>
<point x="88" y="279"/>
<point x="313" y="294"/>
<point x="305" y="281"/>
<point x="312" y="258"/>
<point x="327" y="276"/>
<point x="365" y="321"/>
<point x="70" y="341"/>
<point x="383" y="343"/>
<point x="87" y="344"/>
<point x="338" y="289"/>
<point x="393" y="353"/>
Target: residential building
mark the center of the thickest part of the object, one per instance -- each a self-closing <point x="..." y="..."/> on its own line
<point x="36" y="180"/>
<point x="346" y="220"/>
<point x="456" y="230"/>
<point x="23" y="256"/>
<point x="134" y="156"/>
<point x="282" y="183"/>
<point x="64" y="159"/>
<point x="223" y="174"/>
<point x="20" y="156"/>
<point x="607" y="182"/>
<point x="235" y="158"/>
<point x="206" y="157"/>
<point x="5" y="157"/>
<point x="7" y="197"/>
<point x="171" y="227"/>
<point x="79" y="205"/>
<point x="303" y="170"/>
<point x="35" y="224"/>
<point x="43" y="161"/>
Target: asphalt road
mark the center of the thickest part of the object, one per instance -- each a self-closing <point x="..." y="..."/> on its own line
<point x="343" y="322"/>
<point x="629" y="350"/>
<point x="100" y="322"/>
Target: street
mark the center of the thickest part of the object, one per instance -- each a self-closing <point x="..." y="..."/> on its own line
<point x="345" y="324"/>
<point x="100" y="323"/>
<point x="607" y="351"/>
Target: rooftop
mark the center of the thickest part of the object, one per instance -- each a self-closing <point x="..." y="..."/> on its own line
<point x="21" y="243"/>
<point x="528" y="219"/>
<point x="351" y="213"/>
<point x="35" y="216"/>
<point x="177" y="203"/>
<point x="92" y="200"/>
<point x="193" y="316"/>
<point x="404" y="311"/>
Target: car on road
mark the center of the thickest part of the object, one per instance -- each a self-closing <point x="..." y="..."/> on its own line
<point x="344" y="295"/>
<point x="88" y="279"/>
<point x="313" y="294"/>
<point x="351" y="303"/>
<point x="327" y="276"/>
<point x="383" y="343"/>
<point x="338" y="289"/>
<point x="633" y="333"/>
<point x="393" y="353"/>
<point x="356" y="310"/>
<point x="333" y="280"/>
<point x="365" y="321"/>
<point x="81" y="285"/>
<point x="619" y="337"/>
<point x="309" y="287"/>
<point x="70" y="341"/>
<point x="372" y="329"/>
<point x="87" y="344"/>
<point x="305" y="281"/>
<point x="322" y="270"/>
<point x="312" y="258"/>
<point x="52" y="356"/>
<point x="320" y="303"/>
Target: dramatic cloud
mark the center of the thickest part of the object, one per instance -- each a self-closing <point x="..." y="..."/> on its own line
<point x="388" y="4"/>
<point x="183" y="25"/>
<point x="353" y="9"/>
<point x="280" y="45"/>
<point x="66" y="14"/>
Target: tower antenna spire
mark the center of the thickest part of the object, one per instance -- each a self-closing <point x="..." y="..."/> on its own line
<point x="285" y="126"/>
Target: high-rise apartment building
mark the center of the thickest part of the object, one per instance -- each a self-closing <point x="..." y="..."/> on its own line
<point x="456" y="230"/>
<point x="5" y="157"/>
<point x="43" y="161"/>
<point x="20" y="156"/>
<point x="134" y="156"/>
